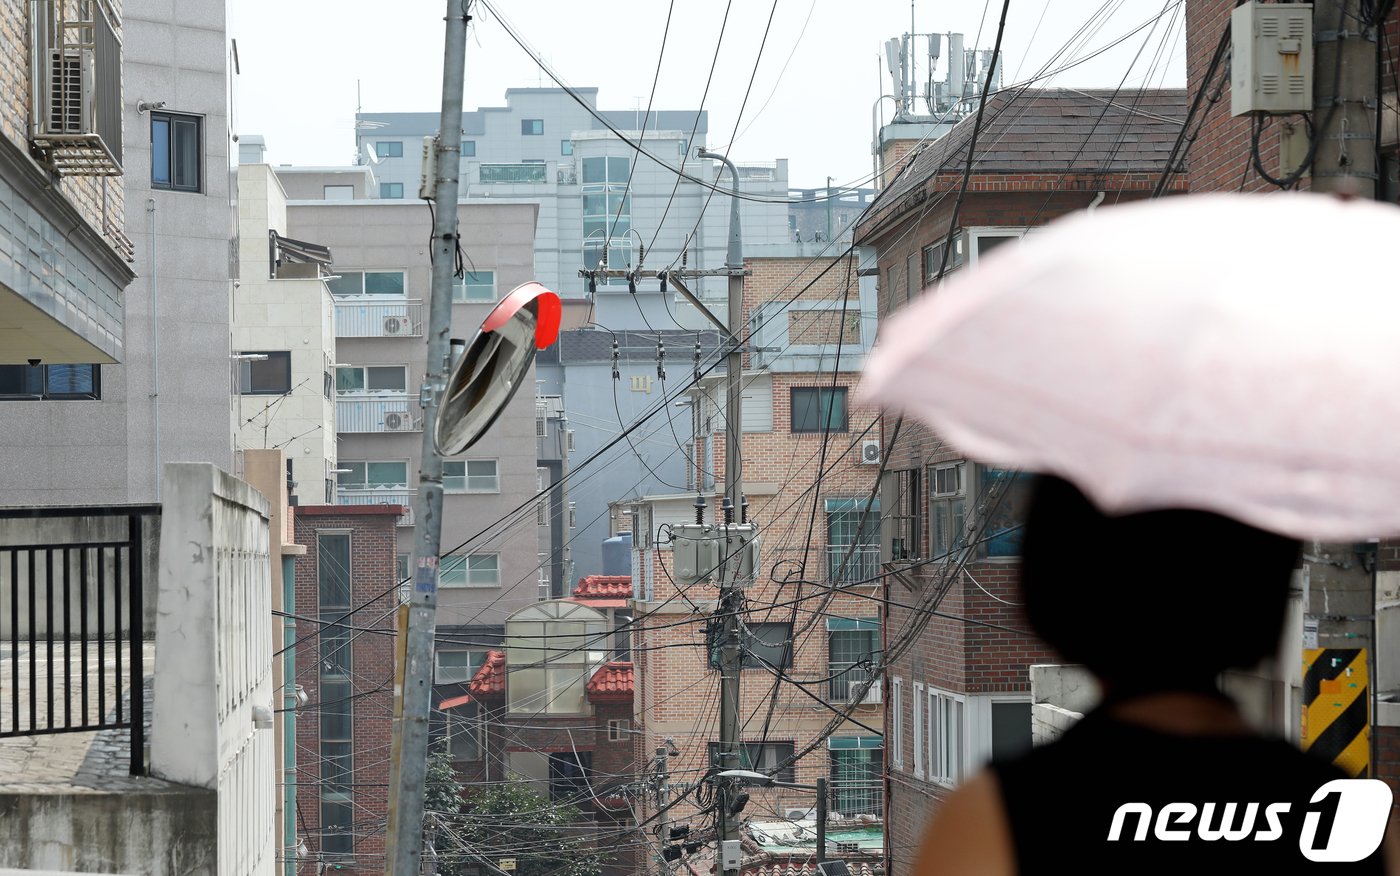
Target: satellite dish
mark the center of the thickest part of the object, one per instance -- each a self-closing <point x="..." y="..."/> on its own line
<point x="485" y="378"/>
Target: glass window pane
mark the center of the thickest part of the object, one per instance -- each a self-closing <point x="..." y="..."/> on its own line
<point x="468" y="148"/>
<point x="594" y="205"/>
<point x="353" y="476"/>
<point x="70" y="379"/>
<point x="566" y="147"/>
<point x="160" y="151"/>
<point x="348" y="283"/>
<point x="1011" y="729"/>
<point x="186" y="153"/>
<point x="595" y="170"/>
<point x="391" y="378"/>
<point x="454" y="475"/>
<point x="391" y="190"/>
<point x="21" y="380"/>
<point x="480" y="285"/>
<point x="617" y="170"/>
<point x="349" y="379"/>
<point x="389" y="149"/>
<point x="384" y="283"/>
<point x="483" y="569"/>
<point x="452" y="571"/>
<point x="386" y="474"/>
<point x="333" y="569"/>
<point x="1004" y="532"/>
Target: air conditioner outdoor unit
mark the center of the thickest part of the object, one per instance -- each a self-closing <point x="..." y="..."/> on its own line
<point x="397" y="421"/>
<point x="870" y="453"/>
<point x="797" y="814"/>
<point x="397" y="326"/>
<point x="70" y="92"/>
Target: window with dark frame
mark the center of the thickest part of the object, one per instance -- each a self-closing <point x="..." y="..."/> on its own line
<point x="767" y="644"/>
<point x="903" y="515"/>
<point x="532" y="127"/>
<point x="568" y="776"/>
<point x="819" y="409"/>
<point x="268" y="376"/>
<point x="50" y="382"/>
<point x="947" y="510"/>
<point x="761" y="757"/>
<point x="176" y="150"/>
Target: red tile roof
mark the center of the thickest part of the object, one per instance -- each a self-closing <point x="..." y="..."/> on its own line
<point x="454" y="702"/>
<point x="612" y="683"/>
<point x="604" y="587"/>
<point x="490" y="679"/>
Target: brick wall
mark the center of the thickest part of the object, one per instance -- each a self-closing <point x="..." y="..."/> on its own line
<point x="373" y="536"/>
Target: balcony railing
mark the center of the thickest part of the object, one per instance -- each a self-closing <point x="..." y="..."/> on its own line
<point x="404" y="497"/>
<point x="367" y="318"/>
<point x="514" y="173"/>
<point x="72" y="620"/>
<point x="861" y="568"/>
<point x="375" y="415"/>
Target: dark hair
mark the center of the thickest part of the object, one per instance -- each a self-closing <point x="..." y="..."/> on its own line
<point x="1153" y="600"/>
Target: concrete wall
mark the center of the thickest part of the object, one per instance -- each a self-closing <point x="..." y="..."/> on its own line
<point x="161" y="833"/>
<point x="214" y="658"/>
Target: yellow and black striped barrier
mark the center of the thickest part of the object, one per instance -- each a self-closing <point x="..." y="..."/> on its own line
<point x="1336" y="708"/>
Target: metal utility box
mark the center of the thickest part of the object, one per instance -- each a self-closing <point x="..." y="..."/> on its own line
<point x="711" y="551"/>
<point x="1271" y="65"/>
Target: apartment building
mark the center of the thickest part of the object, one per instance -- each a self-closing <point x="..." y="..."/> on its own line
<point x="812" y="616"/>
<point x="957" y="682"/>
<point x="99" y="387"/>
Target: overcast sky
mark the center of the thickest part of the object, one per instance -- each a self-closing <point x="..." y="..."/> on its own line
<point x="815" y="82"/>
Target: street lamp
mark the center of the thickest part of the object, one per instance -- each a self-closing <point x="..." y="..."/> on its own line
<point x="753" y="779"/>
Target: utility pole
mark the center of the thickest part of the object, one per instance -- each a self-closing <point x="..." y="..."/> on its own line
<point x="405" y="852"/>
<point x="663" y="799"/>
<point x="1339" y="602"/>
<point x="821" y="820"/>
<point x="731" y="591"/>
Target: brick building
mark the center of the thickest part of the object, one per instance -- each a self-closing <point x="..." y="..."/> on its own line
<point x="345" y="664"/>
<point x="957" y="690"/>
<point x="564" y="728"/>
<point x="1217" y="161"/>
<point x="812" y="320"/>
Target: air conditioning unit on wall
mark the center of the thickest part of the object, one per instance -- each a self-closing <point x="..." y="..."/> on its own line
<point x="398" y="421"/>
<point x="870" y="452"/>
<point x="397" y="326"/>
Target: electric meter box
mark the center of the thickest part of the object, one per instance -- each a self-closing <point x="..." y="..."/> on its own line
<point x="1271" y="63"/>
<point x="714" y="552"/>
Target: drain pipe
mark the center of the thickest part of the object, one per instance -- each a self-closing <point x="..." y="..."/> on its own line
<point x="1098" y="199"/>
<point x="155" y="347"/>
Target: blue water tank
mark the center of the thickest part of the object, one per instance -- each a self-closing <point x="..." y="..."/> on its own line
<point x="617" y="554"/>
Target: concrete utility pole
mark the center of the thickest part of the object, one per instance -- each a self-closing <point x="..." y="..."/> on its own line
<point x="730" y="588"/>
<point x="1339" y="601"/>
<point x="406" y="847"/>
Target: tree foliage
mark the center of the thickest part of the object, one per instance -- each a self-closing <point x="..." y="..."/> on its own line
<point x="514" y="821"/>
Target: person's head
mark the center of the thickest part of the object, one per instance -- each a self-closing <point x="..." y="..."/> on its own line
<point x="1154" y="600"/>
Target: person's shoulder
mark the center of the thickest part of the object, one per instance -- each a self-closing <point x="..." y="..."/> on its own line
<point x="969" y="834"/>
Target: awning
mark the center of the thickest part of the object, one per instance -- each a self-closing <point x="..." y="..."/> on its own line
<point x="454" y="702"/>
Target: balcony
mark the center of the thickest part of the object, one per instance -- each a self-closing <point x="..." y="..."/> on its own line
<point x="861" y="568"/>
<point x="364" y="415"/>
<point x="514" y="173"/>
<point x="401" y="496"/>
<point x="367" y="318"/>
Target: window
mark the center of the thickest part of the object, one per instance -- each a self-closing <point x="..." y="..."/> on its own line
<point x="619" y="730"/>
<point x="607" y="212"/>
<point x="474" y="570"/>
<point x="371" y="379"/>
<point x="568" y="776"/>
<point x="464" y="732"/>
<point x="852" y="549"/>
<point x="373" y="475"/>
<point x="933" y="259"/>
<point x="334" y="691"/>
<point x="391" y="190"/>
<point x="764" y="645"/>
<point x="271" y="375"/>
<point x="945" y="737"/>
<point x="43" y="382"/>
<point x="762" y="757"/>
<point x="566" y="147"/>
<point x="819" y="409"/>
<point x="401" y="566"/>
<point x="947" y="509"/>
<point x="911" y="282"/>
<point x="903" y="517"/>
<point x="1007" y="495"/>
<point x="475" y="286"/>
<point x="176" y="147"/>
<point x="338" y="193"/>
<point x="1011" y="729"/>
<point x="351" y="283"/>
<point x="514" y="173"/>
<point x="853" y="644"/>
<point x="470" y="476"/>
<point x="327" y="384"/>
<point x="456" y="667"/>
<point x="897" y="723"/>
<point x="389" y="149"/>
<point x="918" y="730"/>
<point x="533" y="127"/>
<point x="856" y="766"/>
<point x="468" y="148"/>
<point x="553" y="649"/>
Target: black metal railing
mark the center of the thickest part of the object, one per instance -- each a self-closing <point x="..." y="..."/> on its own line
<point x="72" y="621"/>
